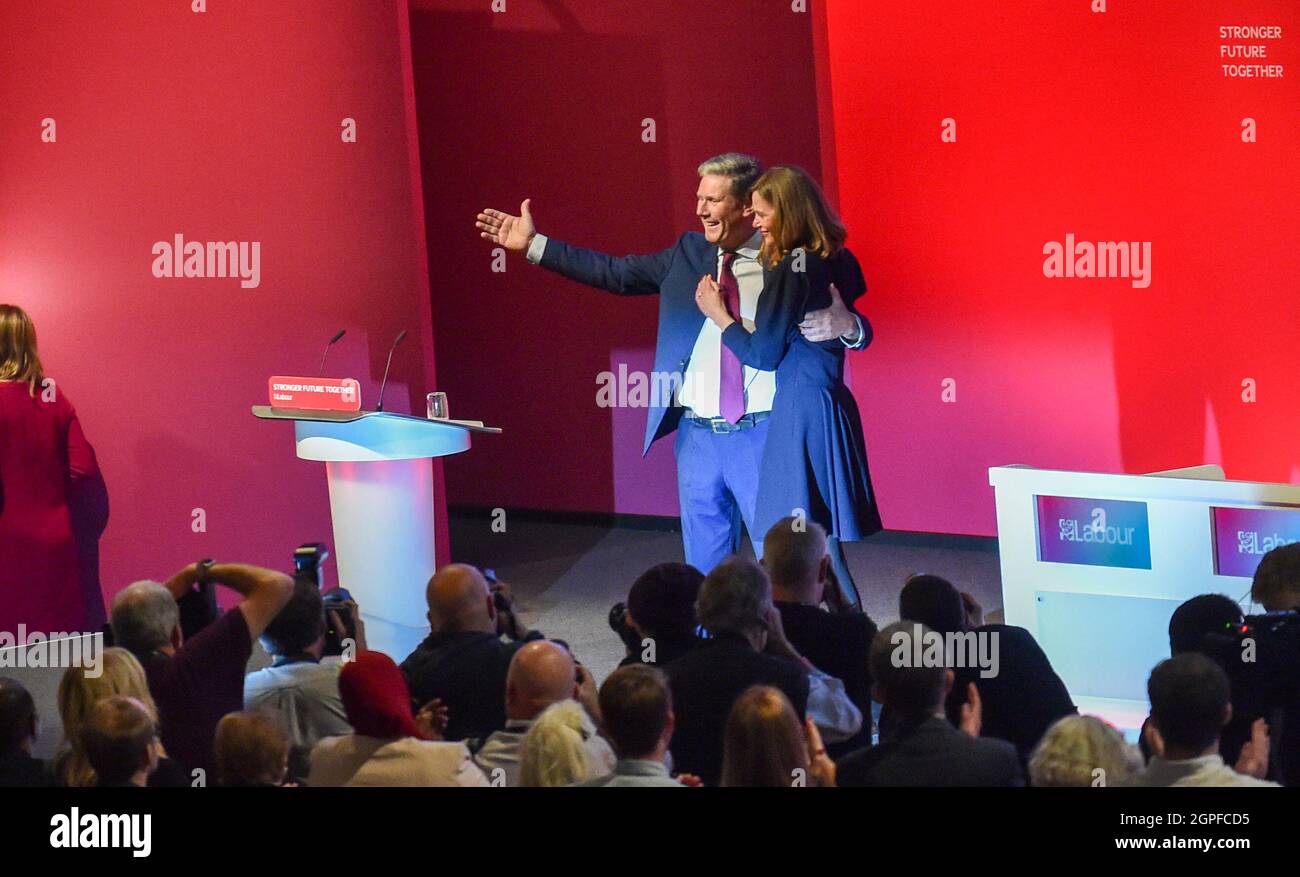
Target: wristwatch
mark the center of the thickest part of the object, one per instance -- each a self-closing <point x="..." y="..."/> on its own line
<point x="203" y="570"/>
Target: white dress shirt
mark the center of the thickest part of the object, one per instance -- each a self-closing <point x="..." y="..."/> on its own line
<point x="305" y="695"/>
<point x="1207" y="770"/>
<point x="836" y="717"/>
<point x="701" y="384"/>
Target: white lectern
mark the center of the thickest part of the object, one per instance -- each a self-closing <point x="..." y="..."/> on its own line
<point x="381" y="503"/>
<point x="1094" y="564"/>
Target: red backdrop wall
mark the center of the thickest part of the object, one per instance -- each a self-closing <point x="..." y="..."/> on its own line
<point x="1118" y="126"/>
<point x="1114" y="126"/>
<point x="222" y="125"/>
<point x="547" y="101"/>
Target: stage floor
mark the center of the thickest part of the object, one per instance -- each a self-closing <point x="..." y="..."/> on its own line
<point x="566" y="576"/>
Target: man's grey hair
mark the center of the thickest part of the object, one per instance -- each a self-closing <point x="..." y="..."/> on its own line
<point x="143" y="617"/>
<point x="734" y="597"/>
<point x="743" y="171"/>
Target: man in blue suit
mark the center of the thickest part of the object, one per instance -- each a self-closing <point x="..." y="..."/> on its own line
<point x="720" y="406"/>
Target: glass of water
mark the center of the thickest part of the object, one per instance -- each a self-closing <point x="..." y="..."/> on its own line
<point x="437" y="407"/>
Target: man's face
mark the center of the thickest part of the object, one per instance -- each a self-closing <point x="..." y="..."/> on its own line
<point x="721" y="213"/>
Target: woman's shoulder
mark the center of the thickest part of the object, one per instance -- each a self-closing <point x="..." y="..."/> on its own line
<point x="843" y="256"/>
<point x="840" y="262"/>
<point x="847" y="273"/>
<point x="802" y="260"/>
<point x="805" y="256"/>
<point x="797" y="265"/>
<point x="48" y="393"/>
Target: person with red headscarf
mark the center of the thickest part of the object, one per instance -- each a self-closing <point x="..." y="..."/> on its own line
<point x="388" y="746"/>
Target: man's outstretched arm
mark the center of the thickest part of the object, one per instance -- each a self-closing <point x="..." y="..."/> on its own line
<point x="627" y="275"/>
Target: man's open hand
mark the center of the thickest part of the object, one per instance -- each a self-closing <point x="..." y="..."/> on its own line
<point x="511" y="232"/>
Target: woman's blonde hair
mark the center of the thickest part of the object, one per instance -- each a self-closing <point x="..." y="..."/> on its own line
<point x="120" y="673"/>
<point x="1082" y="751"/>
<point x="764" y="743"/>
<point x="802" y="217"/>
<point x="553" y="752"/>
<point x="18" y="359"/>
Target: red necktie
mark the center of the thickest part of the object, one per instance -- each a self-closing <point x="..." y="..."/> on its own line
<point x="731" y="385"/>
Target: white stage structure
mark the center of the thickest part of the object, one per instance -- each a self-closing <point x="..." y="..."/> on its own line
<point x="1094" y="564"/>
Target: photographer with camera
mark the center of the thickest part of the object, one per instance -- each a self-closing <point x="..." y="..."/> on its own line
<point x="197" y="679"/>
<point x="657" y="623"/>
<point x="302" y="683"/>
<point x="1276" y="640"/>
<point x="464" y="660"/>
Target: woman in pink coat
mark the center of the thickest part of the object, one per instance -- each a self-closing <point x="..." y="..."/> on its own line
<point x="43" y="456"/>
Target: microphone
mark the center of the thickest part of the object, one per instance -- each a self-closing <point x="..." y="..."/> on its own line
<point x="340" y="334"/>
<point x="400" y="338"/>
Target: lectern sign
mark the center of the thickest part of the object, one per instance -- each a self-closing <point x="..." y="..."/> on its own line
<point x="1243" y="536"/>
<point x="1097" y="532"/>
<point x="315" y="394"/>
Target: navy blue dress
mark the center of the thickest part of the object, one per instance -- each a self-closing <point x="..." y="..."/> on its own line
<point x="815" y="458"/>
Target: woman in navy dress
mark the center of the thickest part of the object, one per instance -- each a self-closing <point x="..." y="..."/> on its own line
<point x="815" y="458"/>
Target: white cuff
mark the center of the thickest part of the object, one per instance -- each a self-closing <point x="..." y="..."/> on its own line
<point x="538" y="246"/>
<point x="836" y="717"/>
<point x="861" y="334"/>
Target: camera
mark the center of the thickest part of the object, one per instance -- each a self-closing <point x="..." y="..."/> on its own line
<point x="340" y="624"/>
<point x="1274" y="637"/>
<point x="498" y="599"/>
<point x="1261" y="656"/>
<point x="618" y="623"/>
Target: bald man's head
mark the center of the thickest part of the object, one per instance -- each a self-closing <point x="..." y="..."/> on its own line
<point x="459" y="599"/>
<point x="541" y="673"/>
<point x="794" y="555"/>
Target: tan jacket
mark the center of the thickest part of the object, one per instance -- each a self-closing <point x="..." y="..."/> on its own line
<point x="357" y="760"/>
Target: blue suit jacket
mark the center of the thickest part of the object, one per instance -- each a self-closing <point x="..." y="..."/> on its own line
<point x="674" y="274"/>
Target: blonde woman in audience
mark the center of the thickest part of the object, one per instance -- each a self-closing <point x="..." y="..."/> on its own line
<point x="766" y="745"/>
<point x="120" y="673"/>
<point x="1082" y="751"/>
<point x="554" y="751"/>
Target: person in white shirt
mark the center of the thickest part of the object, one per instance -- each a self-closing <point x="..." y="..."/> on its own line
<point x="1189" y="707"/>
<point x="637" y="707"/>
<point x="300" y="686"/>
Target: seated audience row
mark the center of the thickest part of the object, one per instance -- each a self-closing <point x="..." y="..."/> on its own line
<point x="739" y="678"/>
